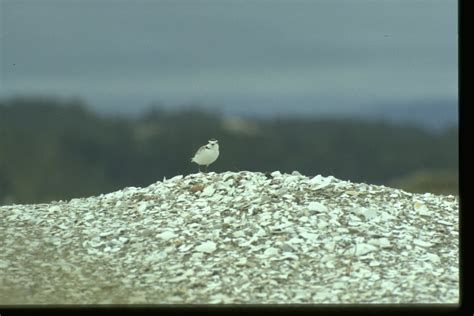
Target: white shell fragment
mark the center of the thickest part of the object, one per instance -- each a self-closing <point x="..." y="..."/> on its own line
<point x="289" y="255"/>
<point x="319" y="182"/>
<point x="142" y="207"/>
<point x="422" y="243"/>
<point x="208" y="247"/>
<point x="432" y="257"/>
<point x="234" y="238"/>
<point x="276" y="174"/>
<point x="362" y="249"/>
<point x="384" y="243"/>
<point x="167" y="235"/>
<point x="309" y="236"/>
<point x="381" y="242"/>
<point x="421" y="208"/>
<point x="208" y="191"/>
<point x="270" y="251"/>
<point x="369" y="213"/>
<point x="317" y="207"/>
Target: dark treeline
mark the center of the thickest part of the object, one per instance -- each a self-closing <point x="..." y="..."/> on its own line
<point x="51" y="149"/>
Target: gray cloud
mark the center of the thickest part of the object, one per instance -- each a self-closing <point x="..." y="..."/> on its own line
<point x="225" y="50"/>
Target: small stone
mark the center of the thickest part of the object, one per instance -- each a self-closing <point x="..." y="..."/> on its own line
<point x="197" y="187"/>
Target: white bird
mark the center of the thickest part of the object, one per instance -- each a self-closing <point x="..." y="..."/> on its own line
<point x="207" y="154"/>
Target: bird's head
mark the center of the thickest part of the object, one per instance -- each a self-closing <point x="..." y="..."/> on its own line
<point x="213" y="143"/>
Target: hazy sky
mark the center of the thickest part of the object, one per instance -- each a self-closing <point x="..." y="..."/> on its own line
<point x="259" y="56"/>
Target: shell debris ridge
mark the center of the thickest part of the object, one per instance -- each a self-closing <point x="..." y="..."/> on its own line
<point x="234" y="237"/>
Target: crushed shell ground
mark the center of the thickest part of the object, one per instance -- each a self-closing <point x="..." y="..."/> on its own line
<point x="233" y="237"/>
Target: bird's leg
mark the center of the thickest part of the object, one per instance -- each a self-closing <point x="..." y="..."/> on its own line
<point x="206" y="168"/>
<point x="199" y="168"/>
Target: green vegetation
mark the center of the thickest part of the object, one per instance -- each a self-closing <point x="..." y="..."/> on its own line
<point x="433" y="181"/>
<point x="51" y="149"/>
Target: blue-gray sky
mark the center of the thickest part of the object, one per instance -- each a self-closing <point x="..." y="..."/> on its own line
<point x="252" y="56"/>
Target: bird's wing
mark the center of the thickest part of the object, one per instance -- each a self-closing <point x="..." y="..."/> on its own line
<point x="198" y="151"/>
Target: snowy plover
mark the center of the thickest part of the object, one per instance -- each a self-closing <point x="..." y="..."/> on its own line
<point x="207" y="154"/>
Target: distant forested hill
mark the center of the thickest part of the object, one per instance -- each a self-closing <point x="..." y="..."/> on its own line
<point x="433" y="115"/>
<point x="52" y="149"/>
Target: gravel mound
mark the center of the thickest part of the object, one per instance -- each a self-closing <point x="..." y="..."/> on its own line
<point x="233" y="237"/>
